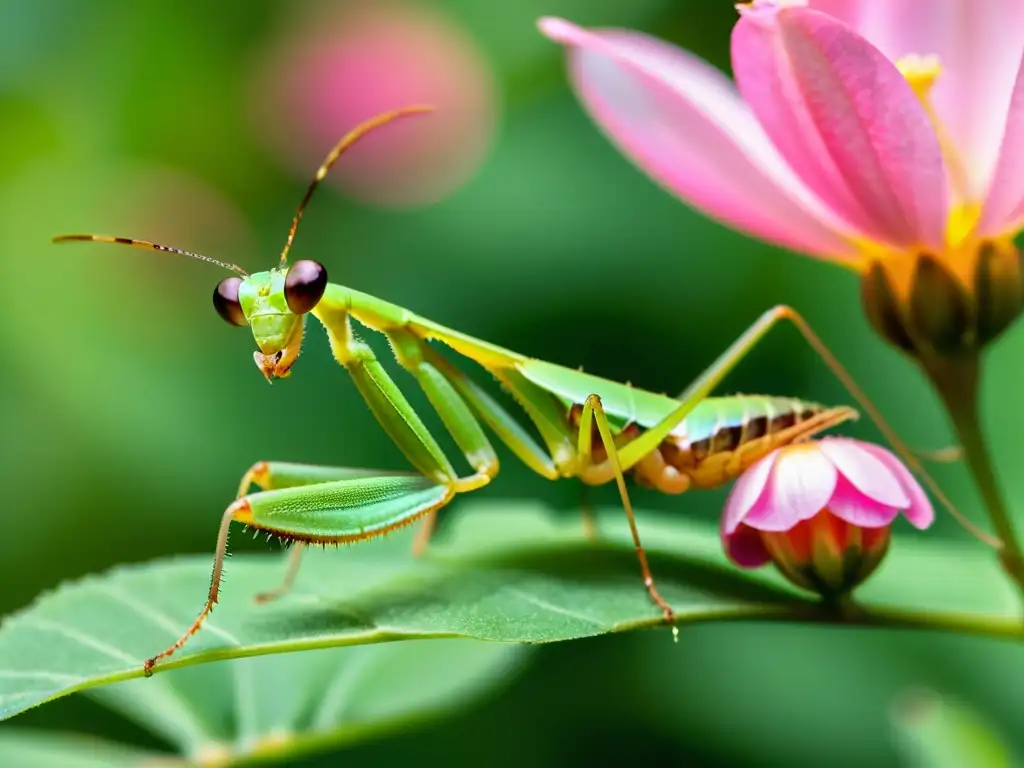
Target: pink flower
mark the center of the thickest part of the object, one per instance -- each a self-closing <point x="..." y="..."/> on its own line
<point x="821" y="511"/>
<point x="870" y="133"/>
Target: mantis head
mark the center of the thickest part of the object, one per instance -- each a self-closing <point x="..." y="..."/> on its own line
<point x="274" y="305"/>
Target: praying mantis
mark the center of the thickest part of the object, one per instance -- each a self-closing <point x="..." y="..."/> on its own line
<point x="590" y="428"/>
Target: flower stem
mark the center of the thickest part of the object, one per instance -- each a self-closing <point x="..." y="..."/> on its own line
<point x="956" y="380"/>
<point x="977" y="625"/>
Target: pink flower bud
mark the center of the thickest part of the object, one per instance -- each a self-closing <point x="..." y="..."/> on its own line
<point x="821" y="511"/>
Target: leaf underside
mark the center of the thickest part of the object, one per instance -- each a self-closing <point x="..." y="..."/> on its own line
<point x="510" y="574"/>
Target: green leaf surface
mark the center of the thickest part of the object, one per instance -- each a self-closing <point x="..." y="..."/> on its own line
<point x="45" y="749"/>
<point x="506" y="573"/>
<point x="934" y="732"/>
<point x="274" y="707"/>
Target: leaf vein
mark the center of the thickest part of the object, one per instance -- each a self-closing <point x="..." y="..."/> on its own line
<point x="82" y="638"/>
<point x="541" y="603"/>
<point x="137" y="606"/>
<point x="25" y="674"/>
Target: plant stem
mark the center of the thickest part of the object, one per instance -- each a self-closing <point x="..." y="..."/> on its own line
<point x="956" y="380"/>
<point x="978" y="625"/>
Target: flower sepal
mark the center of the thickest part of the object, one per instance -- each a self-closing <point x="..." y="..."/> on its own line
<point x="937" y="313"/>
<point x="826" y="554"/>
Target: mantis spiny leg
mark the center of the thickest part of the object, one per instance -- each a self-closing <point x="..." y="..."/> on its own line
<point x="274" y="475"/>
<point x="593" y="412"/>
<point x="784" y="312"/>
<point x="368" y="503"/>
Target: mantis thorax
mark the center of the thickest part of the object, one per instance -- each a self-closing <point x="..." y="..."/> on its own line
<point x="263" y="302"/>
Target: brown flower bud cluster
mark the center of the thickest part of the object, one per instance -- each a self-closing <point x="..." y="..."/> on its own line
<point x="930" y="306"/>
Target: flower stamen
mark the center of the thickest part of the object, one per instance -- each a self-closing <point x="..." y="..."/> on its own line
<point x="921" y="72"/>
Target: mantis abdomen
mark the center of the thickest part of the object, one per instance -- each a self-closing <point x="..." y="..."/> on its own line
<point x="724" y="436"/>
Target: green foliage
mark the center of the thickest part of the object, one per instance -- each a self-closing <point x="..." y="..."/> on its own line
<point x="507" y="574"/>
<point x="511" y="575"/>
<point x="934" y="732"/>
<point x="43" y="749"/>
<point x="279" y="706"/>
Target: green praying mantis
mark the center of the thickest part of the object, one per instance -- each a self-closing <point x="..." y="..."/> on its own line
<point x="590" y="428"/>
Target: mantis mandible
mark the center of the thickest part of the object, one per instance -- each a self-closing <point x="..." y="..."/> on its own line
<point x="590" y="428"/>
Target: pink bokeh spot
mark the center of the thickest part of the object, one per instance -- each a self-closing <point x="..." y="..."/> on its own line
<point x="340" y="66"/>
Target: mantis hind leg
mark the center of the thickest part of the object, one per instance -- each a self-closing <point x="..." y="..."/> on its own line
<point x="593" y="412"/>
<point x="633" y="452"/>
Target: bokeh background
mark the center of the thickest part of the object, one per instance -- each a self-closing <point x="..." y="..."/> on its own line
<point x="129" y="409"/>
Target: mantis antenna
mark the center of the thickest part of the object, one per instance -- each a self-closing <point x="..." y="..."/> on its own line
<point x="151" y="246"/>
<point x="347" y="141"/>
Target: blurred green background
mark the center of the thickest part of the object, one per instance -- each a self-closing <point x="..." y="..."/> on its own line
<point x="130" y="410"/>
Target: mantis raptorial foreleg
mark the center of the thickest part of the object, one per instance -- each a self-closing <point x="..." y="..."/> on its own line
<point x="370" y="502"/>
<point x="274" y="475"/>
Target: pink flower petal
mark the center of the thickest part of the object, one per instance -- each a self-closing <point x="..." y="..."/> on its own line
<point x="854" y="507"/>
<point x="745" y="548"/>
<point x="979" y="45"/>
<point x="746" y="492"/>
<point x="1004" y="206"/>
<point x="846" y="120"/>
<point x="682" y="122"/>
<point x="920" y="512"/>
<point x="800" y="486"/>
<point x="865" y="471"/>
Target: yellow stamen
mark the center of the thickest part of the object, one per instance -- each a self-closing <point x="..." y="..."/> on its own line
<point x="962" y="220"/>
<point x="921" y="72"/>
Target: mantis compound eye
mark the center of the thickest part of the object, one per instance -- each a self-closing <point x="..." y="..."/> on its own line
<point x="304" y="285"/>
<point x="225" y="301"/>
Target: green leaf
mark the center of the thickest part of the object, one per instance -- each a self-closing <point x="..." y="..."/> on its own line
<point x="282" y="705"/>
<point x="506" y="573"/>
<point x="45" y="749"/>
<point x="934" y="732"/>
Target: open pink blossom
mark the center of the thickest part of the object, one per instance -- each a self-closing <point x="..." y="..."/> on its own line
<point x="852" y="125"/>
<point x="822" y="511"/>
<point x="871" y="133"/>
